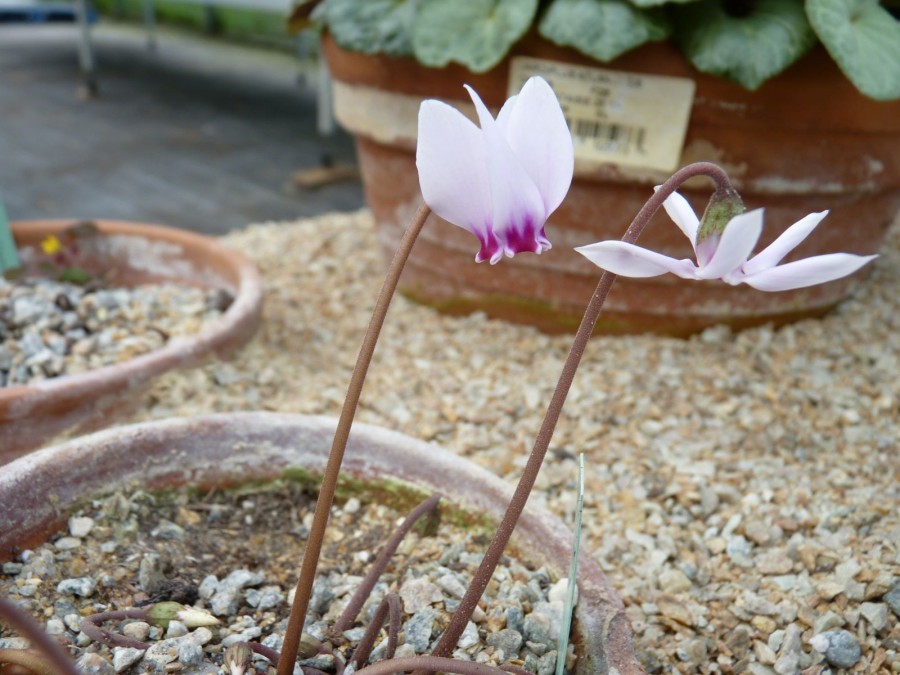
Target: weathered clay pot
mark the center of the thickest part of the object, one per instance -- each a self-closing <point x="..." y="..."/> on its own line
<point x="222" y="450"/>
<point x="34" y="413"/>
<point x="805" y="141"/>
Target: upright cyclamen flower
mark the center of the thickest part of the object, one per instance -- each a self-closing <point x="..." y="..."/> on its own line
<point x="725" y="256"/>
<point x="502" y="181"/>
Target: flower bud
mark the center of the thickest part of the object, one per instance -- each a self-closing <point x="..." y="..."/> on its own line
<point x="237" y="658"/>
<point x="724" y="205"/>
<point x="162" y="613"/>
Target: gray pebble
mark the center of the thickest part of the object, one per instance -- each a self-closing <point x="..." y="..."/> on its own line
<point x="12" y="567"/>
<point x="514" y="618"/>
<point x="451" y="585"/>
<point x="547" y="663"/>
<point x="265" y="598"/>
<point x="55" y="627"/>
<point x="73" y="622"/>
<point x="537" y="628"/>
<point x="83" y="587"/>
<point x="469" y="637"/>
<point x="189" y="654"/>
<point x="124" y="657"/>
<point x="876" y="613"/>
<point x="693" y="652"/>
<point x="788" y="661"/>
<point x="150" y="575"/>
<point x="843" y="649"/>
<point x="510" y="641"/>
<point x="320" y="661"/>
<point x="27" y="590"/>
<point x="67" y="543"/>
<point x="94" y="664"/>
<point x="418" y="629"/>
<point x="80" y="526"/>
<point x="176" y="629"/>
<point x="167" y="530"/>
<point x="137" y="630"/>
<point x="892" y="598"/>
<point x="208" y="587"/>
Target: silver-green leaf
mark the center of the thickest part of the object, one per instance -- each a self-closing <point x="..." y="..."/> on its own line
<point x="864" y="39"/>
<point x="371" y="27"/>
<point x="475" y="33"/>
<point x="657" y="3"/>
<point x="602" y="29"/>
<point x="748" y="49"/>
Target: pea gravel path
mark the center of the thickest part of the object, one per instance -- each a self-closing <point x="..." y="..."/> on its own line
<point x="742" y="489"/>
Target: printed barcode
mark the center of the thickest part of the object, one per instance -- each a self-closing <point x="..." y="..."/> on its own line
<point x="610" y="137"/>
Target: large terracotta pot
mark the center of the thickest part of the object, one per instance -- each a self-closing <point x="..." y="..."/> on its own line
<point x="223" y="450"/>
<point x="34" y="413"/>
<point x="805" y="141"/>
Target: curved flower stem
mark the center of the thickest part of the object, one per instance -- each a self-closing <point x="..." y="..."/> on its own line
<point x="91" y="628"/>
<point x="262" y="650"/>
<point x="30" y="661"/>
<point x="50" y="650"/>
<point x="313" y="550"/>
<point x="390" y="608"/>
<point x="384" y="556"/>
<point x="480" y="581"/>
<point x="429" y="663"/>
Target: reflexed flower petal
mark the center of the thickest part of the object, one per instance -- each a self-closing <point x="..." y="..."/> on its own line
<point x="775" y="252"/>
<point x="807" y="272"/>
<point x="535" y="128"/>
<point x="518" y="209"/>
<point x="683" y="216"/>
<point x="452" y="161"/>
<point x="735" y="245"/>
<point x="629" y="260"/>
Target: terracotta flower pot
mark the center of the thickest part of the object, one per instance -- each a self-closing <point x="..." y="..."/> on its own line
<point x="222" y="450"/>
<point x="804" y="141"/>
<point x="33" y="413"/>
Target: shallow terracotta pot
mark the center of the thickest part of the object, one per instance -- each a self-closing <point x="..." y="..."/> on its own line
<point x="805" y="141"/>
<point x="34" y="413"/>
<point x="223" y="450"/>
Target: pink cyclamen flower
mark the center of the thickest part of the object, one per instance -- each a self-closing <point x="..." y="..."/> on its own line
<point x="727" y="256"/>
<point x="500" y="181"/>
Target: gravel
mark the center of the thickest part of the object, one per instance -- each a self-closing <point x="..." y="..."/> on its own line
<point x="759" y="466"/>
<point x="209" y="568"/>
<point x="50" y="328"/>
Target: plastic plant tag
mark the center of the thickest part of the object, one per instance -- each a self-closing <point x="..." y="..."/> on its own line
<point x="622" y="118"/>
<point x="9" y="256"/>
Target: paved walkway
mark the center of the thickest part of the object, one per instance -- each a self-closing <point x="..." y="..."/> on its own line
<point x="201" y="134"/>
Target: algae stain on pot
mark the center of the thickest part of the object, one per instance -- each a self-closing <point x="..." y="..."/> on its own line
<point x="397" y="495"/>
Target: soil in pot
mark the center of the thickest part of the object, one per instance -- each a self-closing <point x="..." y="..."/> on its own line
<point x="236" y="552"/>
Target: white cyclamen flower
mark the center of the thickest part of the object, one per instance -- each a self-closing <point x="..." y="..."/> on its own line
<point x="727" y="256"/>
<point x="503" y="180"/>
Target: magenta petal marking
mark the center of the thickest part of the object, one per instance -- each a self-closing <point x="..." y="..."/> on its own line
<point x="521" y="239"/>
<point x="490" y="247"/>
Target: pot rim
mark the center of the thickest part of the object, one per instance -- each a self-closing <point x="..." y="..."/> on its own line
<point x="38" y="489"/>
<point x="233" y="329"/>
